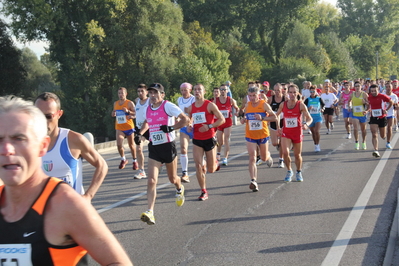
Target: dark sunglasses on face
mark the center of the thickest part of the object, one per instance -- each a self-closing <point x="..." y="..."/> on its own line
<point x="50" y="116"/>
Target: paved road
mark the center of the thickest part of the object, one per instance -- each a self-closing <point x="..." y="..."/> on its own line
<point x="340" y="215"/>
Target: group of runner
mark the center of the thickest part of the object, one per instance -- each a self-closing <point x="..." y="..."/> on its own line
<point x="361" y="102"/>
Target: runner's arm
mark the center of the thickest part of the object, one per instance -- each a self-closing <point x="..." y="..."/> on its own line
<point x="306" y="114"/>
<point x="272" y="117"/>
<point x="78" y="142"/>
<point x="213" y="109"/>
<point x="70" y="219"/>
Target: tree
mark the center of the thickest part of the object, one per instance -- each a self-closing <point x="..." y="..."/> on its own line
<point x="12" y="72"/>
<point x="264" y="25"/>
<point x="343" y="66"/>
<point x="100" y="45"/>
<point x="301" y="44"/>
<point x="38" y="78"/>
<point x="367" y="17"/>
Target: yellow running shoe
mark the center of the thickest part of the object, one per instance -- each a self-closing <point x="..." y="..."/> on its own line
<point x="148" y="217"/>
<point x="180" y="197"/>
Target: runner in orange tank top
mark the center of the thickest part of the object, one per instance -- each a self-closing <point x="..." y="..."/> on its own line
<point x="257" y="115"/>
<point x="124" y="112"/>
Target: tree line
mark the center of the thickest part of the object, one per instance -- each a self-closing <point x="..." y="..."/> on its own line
<point x="99" y="45"/>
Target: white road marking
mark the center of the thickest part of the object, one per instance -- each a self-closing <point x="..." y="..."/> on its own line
<point x="340" y="244"/>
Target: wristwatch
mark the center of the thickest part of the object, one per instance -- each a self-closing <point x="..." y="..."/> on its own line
<point x="210" y="126"/>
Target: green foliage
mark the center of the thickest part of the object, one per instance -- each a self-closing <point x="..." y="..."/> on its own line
<point x="295" y="70"/>
<point x="38" y="78"/>
<point x="191" y="69"/>
<point x="300" y="44"/>
<point x="12" y="71"/>
<point x="343" y="66"/>
<point x="328" y="18"/>
<point x="216" y="61"/>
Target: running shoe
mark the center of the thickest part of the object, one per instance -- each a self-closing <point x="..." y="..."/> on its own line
<point x="332" y="126"/>
<point x="289" y="175"/>
<point x="395" y="128"/>
<point x="180" y="197"/>
<point x="204" y="196"/>
<point x="317" y="148"/>
<point x="217" y="165"/>
<point x="388" y="146"/>
<point x="135" y="165"/>
<point x="349" y="136"/>
<point x="376" y="154"/>
<point x="309" y="132"/>
<point x="184" y="178"/>
<point x="140" y="174"/>
<point x="328" y="131"/>
<point x="224" y="161"/>
<point x="280" y="163"/>
<point x="269" y="162"/>
<point x="218" y="156"/>
<point x="254" y="186"/>
<point x="356" y="145"/>
<point x="259" y="161"/>
<point x="299" y="177"/>
<point x="364" y="147"/>
<point x="148" y="217"/>
<point x="123" y="164"/>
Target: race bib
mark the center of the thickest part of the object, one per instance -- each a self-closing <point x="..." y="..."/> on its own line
<point x="314" y="109"/>
<point x="255" y="124"/>
<point x="291" y="122"/>
<point x="358" y="109"/>
<point x="158" y="137"/>
<point x="15" y="254"/>
<point x="225" y="113"/>
<point x="199" y="118"/>
<point x="376" y="112"/>
<point x="346" y="106"/>
<point x="120" y="117"/>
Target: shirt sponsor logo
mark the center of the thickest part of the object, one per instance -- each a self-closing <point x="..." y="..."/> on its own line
<point x="48" y="166"/>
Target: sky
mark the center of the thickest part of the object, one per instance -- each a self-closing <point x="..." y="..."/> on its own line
<point x="39" y="47"/>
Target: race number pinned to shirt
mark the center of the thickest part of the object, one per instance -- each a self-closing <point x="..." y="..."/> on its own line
<point x="225" y="113"/>
<point x="376" y="112"/>
<point x="158" y="137"/>
<point x="15" y="254"/>
<point x="314" y="109"/>
<point x="120" y="117"/>
<point x="199" y="118"/>
<point x="290" y="122"/>
<point x="358" y="109"/>
<point x="255" y="124"/>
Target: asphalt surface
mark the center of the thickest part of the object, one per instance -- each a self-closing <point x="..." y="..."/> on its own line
<point x="340" y="215"/>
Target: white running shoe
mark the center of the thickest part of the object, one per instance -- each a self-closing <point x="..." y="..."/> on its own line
<point x="269" y="162"/>
<point x="140" y="174"/>
<point x="317" y="148"/>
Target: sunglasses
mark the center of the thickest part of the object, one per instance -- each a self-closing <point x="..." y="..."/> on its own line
<point x="50" y="116"/>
